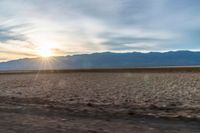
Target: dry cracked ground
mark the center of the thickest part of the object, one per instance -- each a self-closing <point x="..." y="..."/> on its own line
<point x="100" y="102"/>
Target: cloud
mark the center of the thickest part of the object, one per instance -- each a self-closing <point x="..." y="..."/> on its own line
<point x="101" y="25"/>
<point x="2" y="59"/>
<point x="17" y="53"/>
<point x="8" y="34"/>
<point x="118" y="39"/>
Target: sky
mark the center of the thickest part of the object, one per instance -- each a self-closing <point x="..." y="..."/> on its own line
<point x="32" y="28"/>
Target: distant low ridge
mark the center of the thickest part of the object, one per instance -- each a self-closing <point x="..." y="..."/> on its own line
<point x="107" y="60"/>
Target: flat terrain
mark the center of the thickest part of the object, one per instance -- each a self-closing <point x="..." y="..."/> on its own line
<point x="120" y="102"/>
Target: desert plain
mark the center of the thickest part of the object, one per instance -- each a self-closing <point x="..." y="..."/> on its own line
<point x="100" y="102"/>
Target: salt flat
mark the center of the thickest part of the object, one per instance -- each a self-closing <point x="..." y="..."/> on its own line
<point x="105" y="98"/>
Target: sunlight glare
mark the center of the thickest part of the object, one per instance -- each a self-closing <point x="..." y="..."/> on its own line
<point x="45" y="51"/>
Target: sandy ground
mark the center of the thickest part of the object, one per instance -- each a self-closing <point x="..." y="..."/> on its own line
<point x="100" y="102"/>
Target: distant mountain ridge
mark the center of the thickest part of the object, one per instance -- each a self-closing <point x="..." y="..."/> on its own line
<point x="107" y="60"/>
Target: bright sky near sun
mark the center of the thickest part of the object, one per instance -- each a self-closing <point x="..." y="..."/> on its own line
<point x="31" y="28"/>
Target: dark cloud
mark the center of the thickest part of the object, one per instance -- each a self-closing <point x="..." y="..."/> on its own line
<point x="133" y="48"/>
<point x="8" y="33"/>
<point x="123" y="42"/>
<point x="129" y="40"/>
<point x="143" y="46"/>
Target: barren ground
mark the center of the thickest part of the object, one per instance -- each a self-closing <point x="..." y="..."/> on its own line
<point x="100" y="102"/>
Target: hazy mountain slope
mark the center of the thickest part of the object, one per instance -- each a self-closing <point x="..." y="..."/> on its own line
<point x="107" y="60"/>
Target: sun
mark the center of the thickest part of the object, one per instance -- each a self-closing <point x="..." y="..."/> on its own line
<point x="45" y="51"/>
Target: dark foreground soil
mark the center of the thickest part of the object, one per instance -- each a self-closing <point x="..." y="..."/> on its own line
<point x="44" y="119"/>
<point x="81" y="102"/>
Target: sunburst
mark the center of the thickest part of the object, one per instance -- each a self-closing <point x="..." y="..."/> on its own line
<point x="45" y="51"/>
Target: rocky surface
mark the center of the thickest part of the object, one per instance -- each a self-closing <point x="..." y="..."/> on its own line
<point x="162" y="90"/>
<point x="110" y="99"/>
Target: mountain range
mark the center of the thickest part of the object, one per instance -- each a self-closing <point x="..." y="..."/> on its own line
<point x="107" y="60"/>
